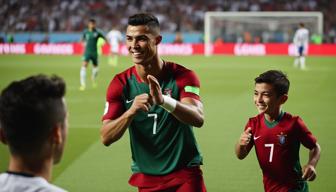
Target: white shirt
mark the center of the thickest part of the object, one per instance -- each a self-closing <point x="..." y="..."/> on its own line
<point x="301" y="37"/>
<point x="114" y="37"/>
<point x="12" y="182"/>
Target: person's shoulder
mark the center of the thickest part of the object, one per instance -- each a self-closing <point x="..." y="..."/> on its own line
<point x="12" y="182"/>
<point x="99" y="30"/>
<point x="2" y="177"/>
<point x="289" y="116"/>
<point x="44" y="186"/>
<point x="54" y="188"/>
<point x="124" y="75"/>
<point x="172" y="66"/>
<point x="126" y="72"/>
<point x="257" y="117"/>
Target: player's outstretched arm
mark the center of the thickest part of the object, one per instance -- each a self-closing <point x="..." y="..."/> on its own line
<point x="309" y="172"/>
<point x="188" y="110"/>
<point x="243" y="146"/>
<point x="113" y="130"/>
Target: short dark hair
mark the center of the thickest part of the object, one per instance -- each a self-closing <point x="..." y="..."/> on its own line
<point x="29" y="110"/>
<point x="277" y="79"/>
<point x="144" y="19"/>
<point x="92" y="20"/>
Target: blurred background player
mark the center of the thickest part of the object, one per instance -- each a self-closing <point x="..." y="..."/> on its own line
<point x="114" y="37"/>
<point x="158" y="101"/>
<point x="33" y="119"/>
<point x="277" y="136"/>
<point x="301" y="40"/>
<point x="90" y="38"/>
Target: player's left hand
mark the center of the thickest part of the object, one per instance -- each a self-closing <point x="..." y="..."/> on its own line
<point x="309" y="173"/>
<point x="155" y="90"/>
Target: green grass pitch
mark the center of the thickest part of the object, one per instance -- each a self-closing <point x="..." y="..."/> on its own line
<point x="226" y="91"/>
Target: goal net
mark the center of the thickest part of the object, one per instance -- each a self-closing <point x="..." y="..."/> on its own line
<point x="257" y="27"/>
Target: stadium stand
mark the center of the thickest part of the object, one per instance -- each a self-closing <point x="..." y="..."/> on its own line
<point x="175" y="15"/>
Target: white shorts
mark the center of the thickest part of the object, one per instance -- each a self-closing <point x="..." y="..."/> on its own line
<point x="114" y="48"/>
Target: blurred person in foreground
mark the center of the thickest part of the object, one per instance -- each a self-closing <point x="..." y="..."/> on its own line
<point x="33" y="123"/>
<point x="158" y="102"/>
<point x="277" y="136"/>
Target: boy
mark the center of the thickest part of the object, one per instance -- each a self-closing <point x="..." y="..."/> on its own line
<point x="277" y="136"/>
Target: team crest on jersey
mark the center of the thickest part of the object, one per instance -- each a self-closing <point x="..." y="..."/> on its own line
<point x="167" y="92"/>
<point x="282" y="138"/>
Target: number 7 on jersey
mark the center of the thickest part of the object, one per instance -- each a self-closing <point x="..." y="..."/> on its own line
<point x="271" y="152"/>
<point x="155" y="121"/>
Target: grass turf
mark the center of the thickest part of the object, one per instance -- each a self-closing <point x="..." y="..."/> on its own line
<point x="226" y="91"/>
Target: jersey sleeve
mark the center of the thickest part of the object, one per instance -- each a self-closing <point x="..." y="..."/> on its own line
<point x="114" y="106"/>
<point x="305" y="136"/>
<point x="189" y="85"/>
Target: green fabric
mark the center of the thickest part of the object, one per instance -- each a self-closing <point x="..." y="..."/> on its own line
<point x="91" y="38"/>
<point x="192" y="89"/>
<point x="302" y="185"/>
<point x="170" y="145"/>
<point x="93" y="57"/>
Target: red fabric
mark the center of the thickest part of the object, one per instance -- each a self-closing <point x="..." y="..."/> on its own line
<point x="184" y="77"/>
<point x="184" y="180"/>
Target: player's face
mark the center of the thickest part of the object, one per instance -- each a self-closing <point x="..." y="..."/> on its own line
<point x="91" y="25"/>
<point x="141" y="44"/>
<point x="266" y="99"/>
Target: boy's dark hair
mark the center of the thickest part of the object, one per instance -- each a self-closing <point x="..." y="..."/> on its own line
<point x="29" y="110"/>
<point x="277" y="79"/>
<point x="144" y="19"/>
<point x="92" y="20"/>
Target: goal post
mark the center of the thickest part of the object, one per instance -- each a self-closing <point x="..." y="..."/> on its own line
<point x="261" y="27"/>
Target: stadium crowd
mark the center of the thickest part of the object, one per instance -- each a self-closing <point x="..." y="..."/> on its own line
<point x="174" y="15"/>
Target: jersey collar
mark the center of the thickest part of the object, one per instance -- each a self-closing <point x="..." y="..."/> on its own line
<point x="20" y="174"/>
<point x="275" y="122"/>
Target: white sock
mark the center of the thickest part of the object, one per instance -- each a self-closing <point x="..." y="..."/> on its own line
<point x="82" y="76"/>
<point x="296" y="62"/>
<point x="94" y="73"/>
<point x="302" y="62"/>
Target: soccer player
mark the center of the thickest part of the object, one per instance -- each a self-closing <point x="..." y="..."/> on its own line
<point x="277" y="136"/>
<point x="90" y="38"/>
<point x="115" y="38"/>
<point x="158" y="101"/>
<point x="33" y="119"/>
<point x="301" y="40"/>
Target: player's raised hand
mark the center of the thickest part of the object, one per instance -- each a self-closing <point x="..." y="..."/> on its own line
<point x="309" y="173"/>
<point x="245" y="137"/>
<point x="155" y="90"/>
<point x="141" y="102"/>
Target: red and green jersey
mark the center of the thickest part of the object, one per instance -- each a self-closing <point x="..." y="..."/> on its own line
<point x="91" y="38"/>
<point x="277" y="146"/>
<point x="160" y="143"/>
